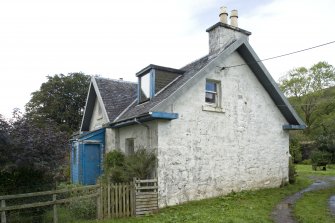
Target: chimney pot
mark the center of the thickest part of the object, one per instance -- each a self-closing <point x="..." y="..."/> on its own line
<point x="233" y="18"/>
<point x="223" y="14"/>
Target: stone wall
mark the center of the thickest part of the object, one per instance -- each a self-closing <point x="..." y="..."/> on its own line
<point x="208" y="153"/>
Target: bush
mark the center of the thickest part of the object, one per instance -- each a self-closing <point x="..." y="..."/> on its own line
<point x="121" y="168"/>
<point x="291" y="172"/>
<point x="318" y="157"/>
<point x="295" y="151"/>
<point x="307" y="162"/>
<point x="84" y="208"/>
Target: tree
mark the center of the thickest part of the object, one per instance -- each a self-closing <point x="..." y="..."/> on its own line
<point x="34" y="155"/>
<point x="60" y="99"/>
<point x="305" y="86"/>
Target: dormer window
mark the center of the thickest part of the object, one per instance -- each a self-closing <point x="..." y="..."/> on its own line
<point x="145" y="87"/>
<point x="153" y="79"/>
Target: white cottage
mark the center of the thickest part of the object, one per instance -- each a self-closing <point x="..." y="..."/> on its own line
<point x="217" y="124"/>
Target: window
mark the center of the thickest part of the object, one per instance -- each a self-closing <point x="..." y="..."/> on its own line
<point x="145" y="87"/>
<point x="130" y="146"/>
<point x="211" y="92"/>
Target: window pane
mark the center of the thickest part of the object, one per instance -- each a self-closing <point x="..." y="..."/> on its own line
<point x="210" y="97"/>
<point x="145" y="87"/>
<point x="210" y="86"/>
<point x="130" y="146"/>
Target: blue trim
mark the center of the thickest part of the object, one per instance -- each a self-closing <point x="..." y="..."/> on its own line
<point x="152" y="83"/>
<point x="164" y="115"/>
<point x="294" y="127"/>
<point x="139" y="90"/>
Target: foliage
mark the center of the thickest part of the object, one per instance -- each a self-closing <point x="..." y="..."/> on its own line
<point x="320" y="157"/>
<point x="114" y="166"/>
<point x="306" y="162"/>
<point x="83" y="209"/>
<point x="313" y="207"/>
<point x="245" y="206"/>
<point x="291" y="172"/>
<point x="34" y="155"/>
<point x="122" y="168"/>
<point x="60" y="99"/>
<point x="295" y="150"/>
<point x="305" y="86"/>
<point x="141" y="163"/>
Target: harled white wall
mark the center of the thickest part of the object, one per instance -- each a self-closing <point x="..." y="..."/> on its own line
<point x="204" y="154"/>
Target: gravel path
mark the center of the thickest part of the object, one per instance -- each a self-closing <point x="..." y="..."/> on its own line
<point x="283" y="211"/>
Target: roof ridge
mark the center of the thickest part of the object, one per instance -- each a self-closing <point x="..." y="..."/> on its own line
<point x="194" y="61"/>
<point x="115" y="80"/>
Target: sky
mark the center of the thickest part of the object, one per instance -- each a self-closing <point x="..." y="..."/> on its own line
<point x="116" y="39"/>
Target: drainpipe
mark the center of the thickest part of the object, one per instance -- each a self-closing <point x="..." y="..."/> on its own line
<point x="148" y="131"/>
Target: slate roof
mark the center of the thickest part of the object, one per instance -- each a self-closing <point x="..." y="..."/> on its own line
<point x="141" y="109"/>
<point x="116" y="95"/>
<point x="120" y="97"/>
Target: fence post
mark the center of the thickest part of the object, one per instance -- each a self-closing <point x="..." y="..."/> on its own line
<point x="99" y="201"/>
<point x="109" y="197"/>
<point x="55" y="218"/>
<point x="3" y="213"/>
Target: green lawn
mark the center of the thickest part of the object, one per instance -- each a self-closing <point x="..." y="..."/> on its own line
<point x="248" y="206"/>
<point x="313" y="206"/>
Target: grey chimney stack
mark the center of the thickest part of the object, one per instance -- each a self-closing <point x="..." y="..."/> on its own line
<point x="222" y="34"/>
<point x="233" y="18"/>
<point x="223" y="14"/>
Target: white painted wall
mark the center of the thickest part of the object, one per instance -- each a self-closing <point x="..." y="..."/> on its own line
<point x="145" y="136"/>
<point x="97" y="118"/>
<point x="204" y="154"/>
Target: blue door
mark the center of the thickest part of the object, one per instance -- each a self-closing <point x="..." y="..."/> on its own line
<point x="75" y="162"/>
<point x="91" y="163"/>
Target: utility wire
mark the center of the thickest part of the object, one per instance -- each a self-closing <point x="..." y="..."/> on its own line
<point x="282" y="55"/>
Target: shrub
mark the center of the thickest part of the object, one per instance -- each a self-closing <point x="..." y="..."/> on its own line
<point x="295" y="151"/>
<point x="307" y="162"/>
<point x="84" y="208"/>
<point x="318" y="156"/>
<point x="291" y="171"/>
<point x="121" y="168"/>
<point x="141" y="163"/>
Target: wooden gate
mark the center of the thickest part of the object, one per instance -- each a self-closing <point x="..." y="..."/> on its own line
<point x="139" y="197"/>
<point x="146" y="196"/>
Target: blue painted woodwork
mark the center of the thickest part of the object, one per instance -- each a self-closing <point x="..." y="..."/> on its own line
<point x="87" y="156"/>
<point x="294" y="127"/>
<point x="91" y="165"/>
<point x="152" y="83"/>
<point x="164" y="115"/>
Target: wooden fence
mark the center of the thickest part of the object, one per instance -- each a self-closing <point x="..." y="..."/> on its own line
<point x="129" y="199"/>
<point x="139" y="197"/>
<point x="146" y="196"/>
<point x="89" y="192"/>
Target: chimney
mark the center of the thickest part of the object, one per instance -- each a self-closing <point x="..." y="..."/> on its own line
<point x="223" y="14"/>
<point x="233" y="18"/>
<point x="222" y="34"/>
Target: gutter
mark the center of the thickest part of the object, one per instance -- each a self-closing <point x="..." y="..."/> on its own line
<point x="143" y="118"/>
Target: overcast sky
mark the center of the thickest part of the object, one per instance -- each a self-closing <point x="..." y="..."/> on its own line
<point x="116" y="39"/>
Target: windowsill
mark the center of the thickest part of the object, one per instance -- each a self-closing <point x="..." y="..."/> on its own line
<point x="212" y="108"/>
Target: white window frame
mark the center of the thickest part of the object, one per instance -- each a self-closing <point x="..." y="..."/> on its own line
<point x="216" y="106"/>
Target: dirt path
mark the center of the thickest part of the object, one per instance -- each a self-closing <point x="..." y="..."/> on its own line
<point x="283" y="211"/>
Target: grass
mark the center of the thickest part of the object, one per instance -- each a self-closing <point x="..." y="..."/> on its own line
<point x="306" y="170"/>
<point x="247" y="206"/>
<point x="313" y="206"/>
